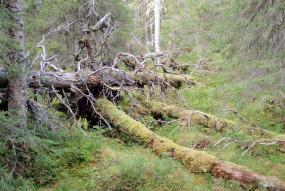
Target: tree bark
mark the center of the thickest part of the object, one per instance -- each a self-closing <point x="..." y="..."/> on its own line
<point x="195" y="161"/>
<point x="63" y="80"/>
<point x="107" y="76"/>
<point x="17" y="83"/>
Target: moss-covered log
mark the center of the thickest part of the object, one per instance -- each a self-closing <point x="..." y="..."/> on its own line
<point x="206" y="120"/>
<point x="195" y="161"/>
<point x="174" y="80"/>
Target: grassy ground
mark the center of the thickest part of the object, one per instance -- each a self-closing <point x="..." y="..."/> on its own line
<point x="132" y="167"/>
<point x="261" y="159"/>
<point x="220" y="94"/>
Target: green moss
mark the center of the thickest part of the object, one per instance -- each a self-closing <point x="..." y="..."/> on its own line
<point x="195" y="161"/>
<point x="176" y="81"/>
<point x="206" y="120"/>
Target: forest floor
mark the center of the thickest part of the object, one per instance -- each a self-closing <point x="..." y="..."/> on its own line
<point x="125" y="165"/>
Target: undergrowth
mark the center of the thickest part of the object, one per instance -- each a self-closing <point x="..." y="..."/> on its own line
<point x="132" y="168"/>
<point x="33" y="157"/>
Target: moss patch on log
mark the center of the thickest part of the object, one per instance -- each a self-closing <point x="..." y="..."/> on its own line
<point x="175" y="81"/>
<point x="195" y="161"/>
<point x="204" y="119"/>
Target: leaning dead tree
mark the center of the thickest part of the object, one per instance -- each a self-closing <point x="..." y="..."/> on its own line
<point x="88" y="89"/>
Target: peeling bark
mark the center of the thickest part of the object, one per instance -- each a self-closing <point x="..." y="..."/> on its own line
<point x="193" y="160"/>
<point x="246" y="177"/>
<point x="63" y="80"/>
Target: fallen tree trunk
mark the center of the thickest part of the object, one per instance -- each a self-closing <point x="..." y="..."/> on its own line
<point x="195" y="161"/>
<point x="174" y="80"/>
<point x="56" y="79"/>
<point x="62" y="80"/>
<point x="108" y="76"/>
<point x="206" y="120"/>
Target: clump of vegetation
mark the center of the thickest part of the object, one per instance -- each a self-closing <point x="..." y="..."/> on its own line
<point x="37" y="156"/>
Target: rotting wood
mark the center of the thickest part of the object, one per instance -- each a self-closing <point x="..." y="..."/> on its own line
<point x="206" y="120"/>
<point x="193" y="160"/>
<point x="175" y="81"/>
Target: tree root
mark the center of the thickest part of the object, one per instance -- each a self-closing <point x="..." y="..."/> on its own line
<point x="195" y="161"/>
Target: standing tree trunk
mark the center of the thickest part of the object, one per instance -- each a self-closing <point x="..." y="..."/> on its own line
<point x="17" y="83"/>
<point x="146" y="32"/>
<point x="157" y="28"/>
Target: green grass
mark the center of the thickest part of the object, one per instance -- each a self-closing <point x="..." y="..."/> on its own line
<point x="122" y="167"/>
<point x="219" y="94"/>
